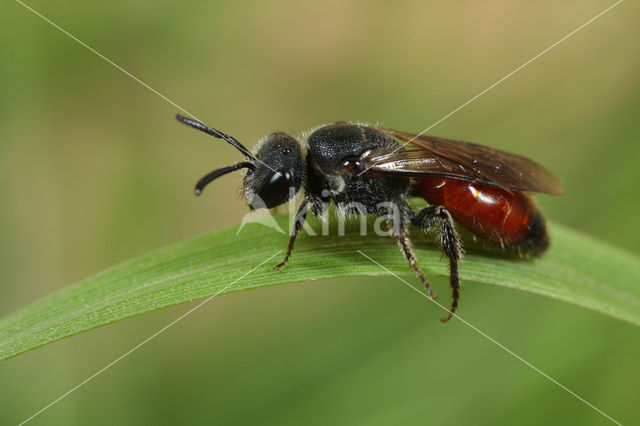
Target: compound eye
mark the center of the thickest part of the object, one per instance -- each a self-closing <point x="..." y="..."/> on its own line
<point x="276" y="190"/>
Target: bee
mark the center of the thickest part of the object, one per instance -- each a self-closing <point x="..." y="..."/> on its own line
<point x="481" y="189"/>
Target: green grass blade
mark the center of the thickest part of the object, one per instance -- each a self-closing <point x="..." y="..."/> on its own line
<point x="576" y="269"/>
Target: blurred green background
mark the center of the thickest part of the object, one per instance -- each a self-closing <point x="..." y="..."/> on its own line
<point x="94" y="170"/>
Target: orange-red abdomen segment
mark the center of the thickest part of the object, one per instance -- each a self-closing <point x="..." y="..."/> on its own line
<point x="492" y="213"/>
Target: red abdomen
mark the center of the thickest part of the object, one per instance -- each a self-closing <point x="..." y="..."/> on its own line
<point x="492" y="213"/>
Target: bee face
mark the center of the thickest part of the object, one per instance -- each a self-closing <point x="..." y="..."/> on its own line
<point x="278" y="172"/>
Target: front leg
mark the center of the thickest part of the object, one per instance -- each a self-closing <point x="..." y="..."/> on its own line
<point x="300" y="219"/>
<point x="450" y="245"/>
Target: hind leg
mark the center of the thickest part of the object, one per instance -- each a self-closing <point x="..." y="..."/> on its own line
<point x="426" y="219"/>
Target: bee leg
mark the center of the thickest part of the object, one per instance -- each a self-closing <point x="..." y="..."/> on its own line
<point x="450" y="243"/>
<point x="405" y="247"/>
<point x="300" y="219"/>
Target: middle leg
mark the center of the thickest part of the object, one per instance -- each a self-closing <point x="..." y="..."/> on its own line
<point x="405" y="246"/>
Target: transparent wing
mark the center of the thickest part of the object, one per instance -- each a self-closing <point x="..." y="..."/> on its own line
<point x="429" y="156"/>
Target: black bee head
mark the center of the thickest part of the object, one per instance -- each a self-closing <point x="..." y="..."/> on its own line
<point x="277" y="173"/>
